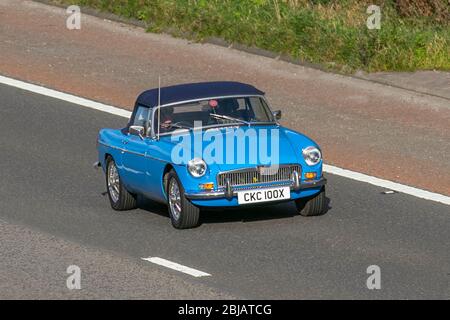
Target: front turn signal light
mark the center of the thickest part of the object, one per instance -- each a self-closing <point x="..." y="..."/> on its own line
<point x="207" y="186"/>
<point x="310" y="175"/>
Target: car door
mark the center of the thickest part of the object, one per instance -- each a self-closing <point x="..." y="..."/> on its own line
<point x="134" y="150"/>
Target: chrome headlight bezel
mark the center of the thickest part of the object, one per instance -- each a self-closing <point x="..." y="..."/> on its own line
<point x="197" y="167"/>
<point x="312" y="155"/>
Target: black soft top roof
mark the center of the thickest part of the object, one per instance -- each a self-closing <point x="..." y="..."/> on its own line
<point x="196" y="91"/>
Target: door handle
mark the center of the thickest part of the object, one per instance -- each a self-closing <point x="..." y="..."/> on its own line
<point x="125" y="141"/>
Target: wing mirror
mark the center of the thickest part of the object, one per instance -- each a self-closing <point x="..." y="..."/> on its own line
<point x="137" y="131"/>
<point x="277" y="114"/>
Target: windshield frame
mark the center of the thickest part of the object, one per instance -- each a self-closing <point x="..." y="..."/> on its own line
<point x="155" y="135"/>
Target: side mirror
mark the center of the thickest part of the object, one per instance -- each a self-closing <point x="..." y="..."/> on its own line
<point x="137" y="131"/>
<point x="277" y="114"/>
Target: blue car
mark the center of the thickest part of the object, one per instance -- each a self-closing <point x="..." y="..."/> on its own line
<point x="209" y="145"/>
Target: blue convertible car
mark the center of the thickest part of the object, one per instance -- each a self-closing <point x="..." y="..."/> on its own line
<point x="209" y="145"/>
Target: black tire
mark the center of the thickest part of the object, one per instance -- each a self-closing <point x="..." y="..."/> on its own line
<point x="312" y="206"/>
<point x="124" y="200"/>
<point x="190" y="215"/>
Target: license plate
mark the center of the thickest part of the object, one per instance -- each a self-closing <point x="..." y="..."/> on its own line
<point x="263" y="195"/>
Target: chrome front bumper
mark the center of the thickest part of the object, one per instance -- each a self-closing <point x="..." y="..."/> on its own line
<point x="229" y="192"/>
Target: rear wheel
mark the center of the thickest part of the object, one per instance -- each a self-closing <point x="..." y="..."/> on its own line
<point x="183" y="213"/>
<point x="312" y="206"/>
<point x="119" y="197"/>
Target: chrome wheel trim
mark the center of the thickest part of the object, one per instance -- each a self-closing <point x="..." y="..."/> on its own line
<point x="113" y="182"/>
<point x="174" y="199"/>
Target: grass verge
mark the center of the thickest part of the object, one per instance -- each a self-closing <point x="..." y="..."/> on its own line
<point x="326" y="32"/>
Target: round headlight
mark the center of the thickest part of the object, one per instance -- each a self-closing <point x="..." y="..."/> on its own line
<point x="196" y="167"/>
<point x="312" y="155"/>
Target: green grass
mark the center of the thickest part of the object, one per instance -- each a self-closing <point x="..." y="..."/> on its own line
<point x="326" y="32"/>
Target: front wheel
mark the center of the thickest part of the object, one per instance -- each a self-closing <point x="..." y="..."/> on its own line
<point x="183" y="213"/>
<point x="119" y="197"/>
<point x="312" y="206"/>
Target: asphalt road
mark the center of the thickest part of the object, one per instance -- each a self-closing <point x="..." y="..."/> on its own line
<point x="48" y="185"/>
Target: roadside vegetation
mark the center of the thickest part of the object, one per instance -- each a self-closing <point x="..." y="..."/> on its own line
<point x="414" y="34"/>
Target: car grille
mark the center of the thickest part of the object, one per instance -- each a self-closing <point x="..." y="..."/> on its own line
<point x="259" y="175"/>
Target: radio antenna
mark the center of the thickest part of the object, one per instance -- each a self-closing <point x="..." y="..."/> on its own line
<point x="159" y="103"/>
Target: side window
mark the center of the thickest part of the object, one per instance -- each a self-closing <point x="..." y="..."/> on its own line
<point x="242" y="104"/>
<point x="142" y="117"/>
<point x="259" y="109"/>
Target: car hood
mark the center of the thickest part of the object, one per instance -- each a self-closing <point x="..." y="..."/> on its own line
<point x="290" y="145"/>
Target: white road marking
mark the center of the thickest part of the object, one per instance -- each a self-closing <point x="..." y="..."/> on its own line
<point x="177" y="267"/>
<point x="64" y="96"/>
<point x="387" y="184"/>
<point x="420" y="193"/>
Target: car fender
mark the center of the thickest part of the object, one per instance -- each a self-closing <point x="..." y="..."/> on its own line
<point x="299" y="142"/>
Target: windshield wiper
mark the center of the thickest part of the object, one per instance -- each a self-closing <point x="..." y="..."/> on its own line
<point x="179" y="126"/>
<point x="223" y="117"/>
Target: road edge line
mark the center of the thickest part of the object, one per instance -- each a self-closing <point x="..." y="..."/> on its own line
<point x="419" y="193"/>
<point x="416" y="192"/>
<point x="64" y="96"/>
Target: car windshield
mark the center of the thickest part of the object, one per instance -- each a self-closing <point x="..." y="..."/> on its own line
<point x="213" y="112"/>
